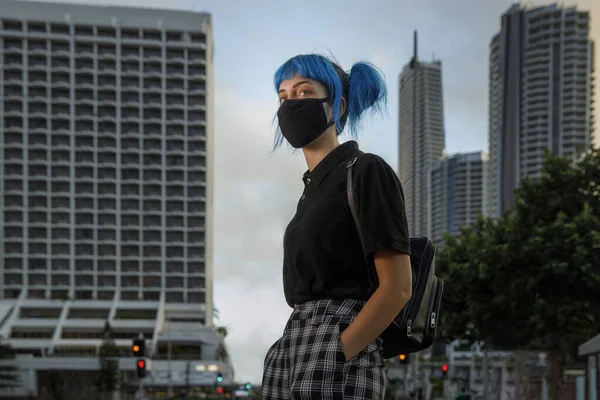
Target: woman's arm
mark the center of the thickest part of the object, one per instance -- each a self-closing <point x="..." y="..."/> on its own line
<point x="394" y="291"/>
<point x="385" y="238"/>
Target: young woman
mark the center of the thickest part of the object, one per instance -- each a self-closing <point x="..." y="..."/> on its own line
<point x="344" y="291"/>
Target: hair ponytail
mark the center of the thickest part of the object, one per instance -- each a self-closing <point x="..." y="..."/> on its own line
<point x="366" y="93"/>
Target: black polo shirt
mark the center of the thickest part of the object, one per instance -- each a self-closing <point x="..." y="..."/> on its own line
<point x="323" y="258"/>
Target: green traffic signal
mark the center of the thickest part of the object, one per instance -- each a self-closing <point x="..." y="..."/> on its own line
<point x="248" y="386"/>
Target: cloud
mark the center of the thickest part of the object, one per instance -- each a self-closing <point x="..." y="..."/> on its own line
<point x="256" y="192"/>
<point x="255" y="316"/>
<point x="386" y="59"/>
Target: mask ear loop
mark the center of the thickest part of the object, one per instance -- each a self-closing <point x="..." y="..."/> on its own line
<point x="330" y="123"/>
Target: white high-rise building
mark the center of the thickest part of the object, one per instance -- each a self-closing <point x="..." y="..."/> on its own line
<point x="421" y="135"/>
<point x="541" y="89"/>
<point x="106" y="179"/>
<point x="457" y="192"/>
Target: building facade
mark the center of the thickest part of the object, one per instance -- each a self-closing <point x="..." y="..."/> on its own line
<point x="457" y="193"/>
<point x="421" y="134"/>
<point x="541" y="89"/>
<point x="106" y="178"/>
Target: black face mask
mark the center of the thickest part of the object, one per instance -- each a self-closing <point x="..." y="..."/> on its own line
<point x="303" y="121"/>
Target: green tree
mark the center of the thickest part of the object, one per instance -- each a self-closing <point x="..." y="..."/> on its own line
<point x="528" y="281"/>
<point x="221" y="330"/>
<point x="215" y="316"/>
<point x="9" y="377"/>
<point x="221" y="353"/>
<point x="109" y="376"/>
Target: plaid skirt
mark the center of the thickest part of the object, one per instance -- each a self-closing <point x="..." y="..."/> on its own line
<point x="308" y="362"/>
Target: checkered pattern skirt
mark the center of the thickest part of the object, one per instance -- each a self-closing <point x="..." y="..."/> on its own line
<point x="308" y="362"/>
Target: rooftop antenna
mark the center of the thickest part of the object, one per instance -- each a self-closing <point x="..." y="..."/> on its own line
<point x="415" y="42"/>
<point x="413" y="60"/>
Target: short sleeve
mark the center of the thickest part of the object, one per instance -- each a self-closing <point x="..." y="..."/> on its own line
<point x="381" y="209"/>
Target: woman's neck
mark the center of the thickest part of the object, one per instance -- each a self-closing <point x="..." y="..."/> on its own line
<point x="318" y="150"/>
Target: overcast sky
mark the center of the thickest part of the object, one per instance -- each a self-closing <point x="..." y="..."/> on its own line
<point x="256" y="191"/>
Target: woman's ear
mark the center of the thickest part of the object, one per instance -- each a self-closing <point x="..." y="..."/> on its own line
<point x="343" y="106"/>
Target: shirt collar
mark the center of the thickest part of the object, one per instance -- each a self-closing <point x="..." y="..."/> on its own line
<point x="335" y="156"/>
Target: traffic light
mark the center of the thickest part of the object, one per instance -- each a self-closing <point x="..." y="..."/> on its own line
<point x="248" y="386"/>
<point x="219" y="378"/>
<point x="139" y="348"/>
<point x="220" y="390"/>
<point x="404" y="359"/>
<point x="444" y="370"/>
<point x="141" y="368"/>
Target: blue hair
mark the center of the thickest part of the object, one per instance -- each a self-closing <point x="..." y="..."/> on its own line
<point x="363" y="87"/>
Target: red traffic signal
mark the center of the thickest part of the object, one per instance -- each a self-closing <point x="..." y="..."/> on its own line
<point x="220" y="390"/>
<point x="445" y="368"/>
<point x="141" y="368"/>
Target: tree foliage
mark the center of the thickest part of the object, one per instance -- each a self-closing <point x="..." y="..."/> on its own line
<point x="109" y="361"/>
<point x="529" y="280"/>
<point x="9" y="376"/>
<point x="221" y="353"/>
<point x="221" y="330"/>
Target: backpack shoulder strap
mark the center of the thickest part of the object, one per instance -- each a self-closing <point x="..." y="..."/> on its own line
<point x="352" y="197"/>
<point x="372" y="274"/>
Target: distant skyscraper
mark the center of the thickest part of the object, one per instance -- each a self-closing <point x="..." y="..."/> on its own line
<point x="457" y="192"/>
<point x="421" y="134"/>
<point x="541" y="89"/>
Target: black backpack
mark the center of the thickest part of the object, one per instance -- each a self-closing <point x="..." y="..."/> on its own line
<point x="415" y="326"/>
